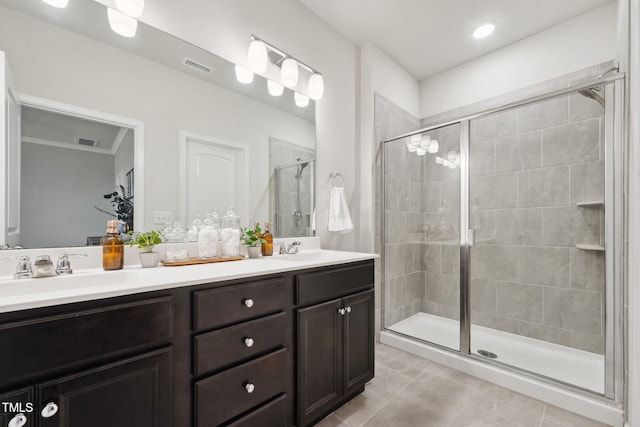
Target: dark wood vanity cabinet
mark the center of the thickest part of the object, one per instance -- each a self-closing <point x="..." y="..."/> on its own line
<point x="92" y="364"/>
<point x="335" y="333"/>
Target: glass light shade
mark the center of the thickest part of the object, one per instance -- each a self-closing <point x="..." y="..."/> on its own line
<point x="316" y="86"/>
<point x="439" y="160"/>
<point x="57" y="3"/>
<point x="301" y="100"/>
<point x="484" y="31"/>
<point x="415" y="139"/>
<point x="452" y="165"/>
<point x="257" y="56"/>
<point x="420" y="151"/>
<point x="411" y="147"/>
<point x="243" y="75"/>
<point x="451" y="155"/>
<point x="425" y="142"/>
<point x="122" y="24"/>
<point x="131" y="8"/>
<point x="445" y="162"/>
<point x="274" y="88"/>
<point x="433" y="146"/>
<point x="290" y="73"/>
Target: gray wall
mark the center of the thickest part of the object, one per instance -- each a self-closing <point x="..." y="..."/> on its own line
<point x="70" y="182"/>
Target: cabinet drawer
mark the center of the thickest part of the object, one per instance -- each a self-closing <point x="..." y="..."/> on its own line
<point x="225" y="395"/>
<point x="273" y="414"/>
<point x="225" y="306"/>
<point x="33" y="347"/>
<point x="325" y="285"/>
<point x="221" y="348"/>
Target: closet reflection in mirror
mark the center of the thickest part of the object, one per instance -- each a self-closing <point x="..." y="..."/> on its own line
<point x="71" y="57"/>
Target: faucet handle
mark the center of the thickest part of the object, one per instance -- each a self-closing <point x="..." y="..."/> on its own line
<point x="24" y="270"/>
<point x="64" y="266"/>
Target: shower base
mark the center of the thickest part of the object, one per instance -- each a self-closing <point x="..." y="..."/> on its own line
<point x="569" y="365"/>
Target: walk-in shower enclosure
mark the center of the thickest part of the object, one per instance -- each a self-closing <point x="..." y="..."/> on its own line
<point x="502" y="236"/>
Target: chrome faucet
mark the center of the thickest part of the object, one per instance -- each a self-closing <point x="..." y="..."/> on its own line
<point x="24" y="270"/>
<point x="64" y="265"/>
<point x="291" y="248"/>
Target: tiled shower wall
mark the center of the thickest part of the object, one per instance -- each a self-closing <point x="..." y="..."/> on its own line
<point x="529" y="168"/>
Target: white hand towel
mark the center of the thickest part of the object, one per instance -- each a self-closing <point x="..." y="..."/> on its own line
<point x="339" y="216"/>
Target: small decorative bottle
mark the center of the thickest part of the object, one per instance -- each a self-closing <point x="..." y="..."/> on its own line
<point x="112" y="248"/>
<point x="267" y="248"/>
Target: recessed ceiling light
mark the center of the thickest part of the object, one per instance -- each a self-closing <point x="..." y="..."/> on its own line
<point x="484" y="31"/>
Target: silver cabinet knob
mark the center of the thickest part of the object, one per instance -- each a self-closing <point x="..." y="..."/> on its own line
<point x="250" y="388"/>
<point x="248" y="303"/>
<point x="49" y="410"/>
<point x="18" y="421"/>
<point x="341" y="311"/>
<point x="248" y="342"/>
<point x="348" y="309"/>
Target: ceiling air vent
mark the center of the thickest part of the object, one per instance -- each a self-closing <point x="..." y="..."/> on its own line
<point x="197" y="66"/>
<point x="87" y="142"/>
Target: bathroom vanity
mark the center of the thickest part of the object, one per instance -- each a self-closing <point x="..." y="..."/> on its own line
<point x="268" y="342"/>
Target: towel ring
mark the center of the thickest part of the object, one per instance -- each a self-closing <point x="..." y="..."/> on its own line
<point x="335" y="175"/>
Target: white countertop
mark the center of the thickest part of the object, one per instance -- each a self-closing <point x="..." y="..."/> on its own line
<point x="91" y="284"/>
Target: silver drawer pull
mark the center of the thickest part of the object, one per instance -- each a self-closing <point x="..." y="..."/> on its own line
<point x="250" y="388"/>
<point x="17" y="421"/>
<point x="348" y="309"/>
<point x="248" y="303"/>
<point x="49" y="410"/>
<point x="341" y="311"/>
<point x="248" y="342"/>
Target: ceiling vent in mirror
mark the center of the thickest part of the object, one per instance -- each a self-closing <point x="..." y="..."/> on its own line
<point x="197" y="66"/>
<point x="87" y="142"/>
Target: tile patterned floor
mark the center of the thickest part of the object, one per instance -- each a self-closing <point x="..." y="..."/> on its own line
<point x="409" y="391"/>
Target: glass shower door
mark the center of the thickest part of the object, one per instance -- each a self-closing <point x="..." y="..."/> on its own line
<point x="537" y="263"/>
<point x="422" y="243"/>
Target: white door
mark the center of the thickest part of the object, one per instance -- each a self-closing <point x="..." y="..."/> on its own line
<point x="215" y="176"/>
<point x="10" y="157"/>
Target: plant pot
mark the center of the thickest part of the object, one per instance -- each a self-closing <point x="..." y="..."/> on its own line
<point x="254" y="251"/>
<point x="149" y="259"/>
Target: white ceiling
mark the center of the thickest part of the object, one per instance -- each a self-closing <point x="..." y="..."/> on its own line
<point x="426" y="37"/>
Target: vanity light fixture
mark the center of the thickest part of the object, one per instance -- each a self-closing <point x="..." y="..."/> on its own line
<point x="439" y="160"/>
<point x="261" y="52"/>
<point x="243" y="75"/>
<point x="275" y="89"/>
<point x="61" y="4"/>
<point x="420" y="151"/>
<point x="433" y="146"/>
<point x="132" y="8"/>
<point x="122" y="24"/>
<point x="483" y="31"/>
<point x="301" y="100"/>
<point x="411" y="147"/>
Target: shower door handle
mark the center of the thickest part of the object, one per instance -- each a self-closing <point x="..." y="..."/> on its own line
<point x="471" y="237"/>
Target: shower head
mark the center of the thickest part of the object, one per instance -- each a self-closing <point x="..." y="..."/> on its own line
<point x="593" y="93"/>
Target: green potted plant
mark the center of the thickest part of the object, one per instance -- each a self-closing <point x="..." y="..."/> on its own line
<point x="146" y="241"/>
<point x="252" y="238"/>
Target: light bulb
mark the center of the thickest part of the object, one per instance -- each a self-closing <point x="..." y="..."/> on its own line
<point x="434" y="146"/>
<point x="420" y="151"/>
<point x="290" y="73"/>
<point x="484" y="31"/>
<point x="57" y="3"/>
<point x="411" y="147"/>
<point x="243" y="75"/>
<point x="257" y="56"/>
<point x="439" y="160"/>
<point x="316" y="86"/>
<point x="131" y="8"/>
<point x="122" y="24"/>
<point x="415" y="139"/>
<point x="274" y="88"/>
<point x="301" y="100"/>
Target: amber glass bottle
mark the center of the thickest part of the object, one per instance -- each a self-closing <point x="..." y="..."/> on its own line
<point x="112" y="248"/>
<point x="267" y="248"/>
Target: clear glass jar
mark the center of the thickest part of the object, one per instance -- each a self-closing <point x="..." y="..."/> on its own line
<point x="230" y="234"/>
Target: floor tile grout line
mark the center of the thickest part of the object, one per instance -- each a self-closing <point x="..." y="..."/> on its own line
<point x="387" y="402"/>
<point x="544" y="409"/>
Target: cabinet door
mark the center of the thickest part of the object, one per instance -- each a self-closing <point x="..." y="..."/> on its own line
<point x="16" y="404"/>
<point x="133" y="392"/>
<point x="319" y="359"/>
<point x="358" y="340"/>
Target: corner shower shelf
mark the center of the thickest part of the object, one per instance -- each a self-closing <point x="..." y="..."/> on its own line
<point x="594" y="203"/>
<point x="591" y="247"/>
